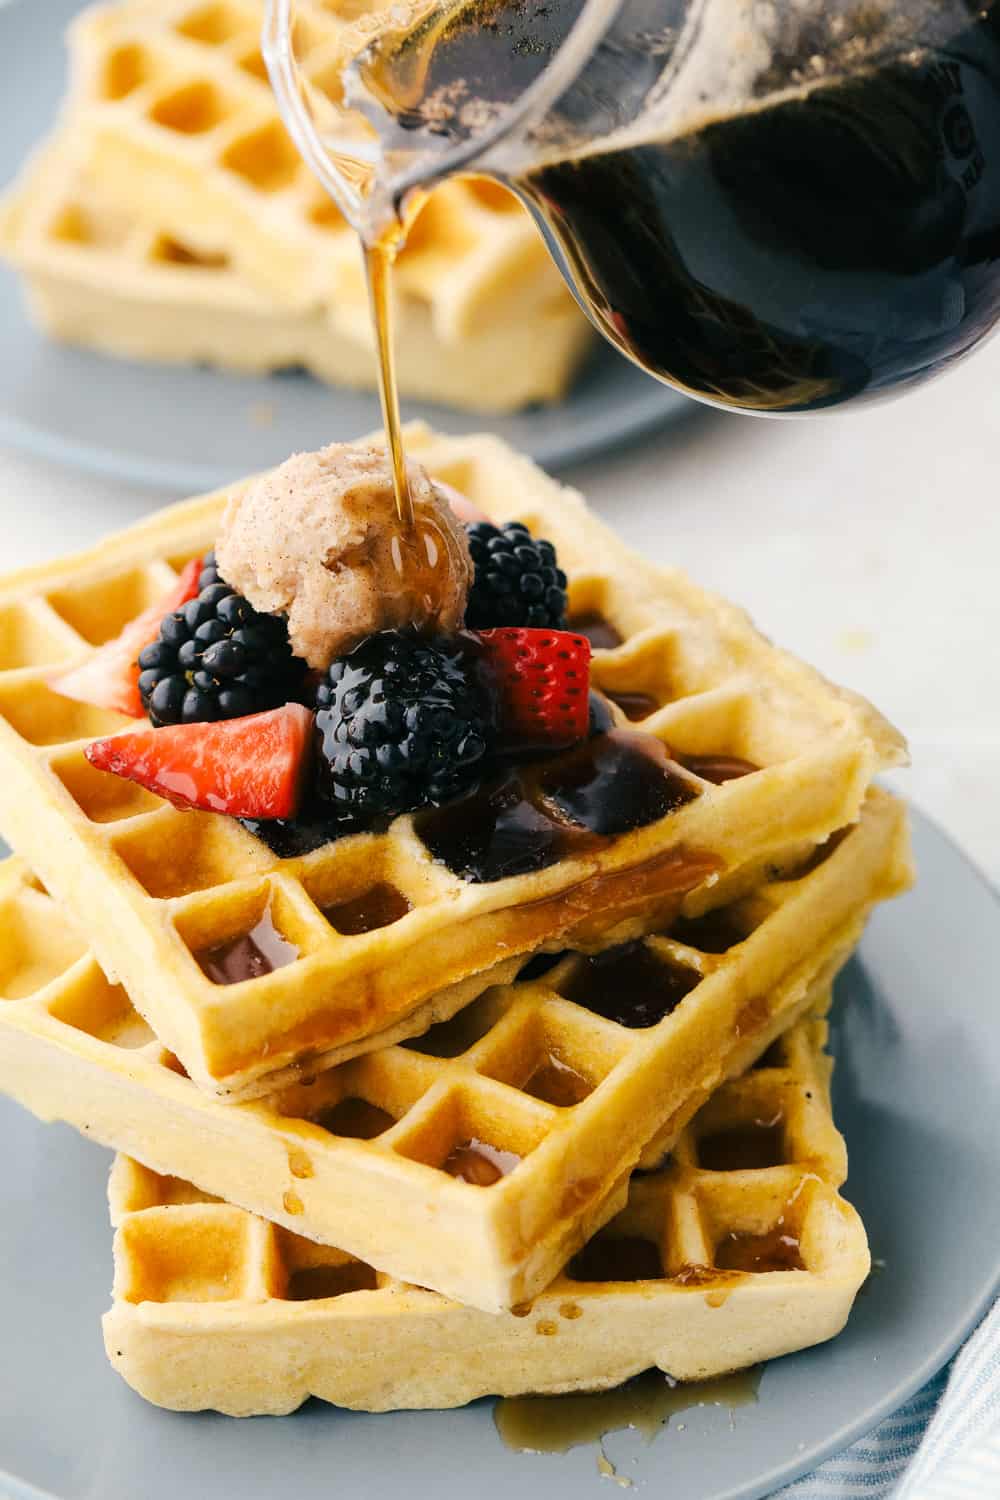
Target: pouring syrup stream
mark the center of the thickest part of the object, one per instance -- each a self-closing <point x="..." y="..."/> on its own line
<point x="379" y="258"/>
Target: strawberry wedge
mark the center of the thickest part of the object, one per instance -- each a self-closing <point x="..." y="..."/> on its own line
<point x="109" y="678"/>
<point x="543" y="684"/>
<point x="249" y="768"/>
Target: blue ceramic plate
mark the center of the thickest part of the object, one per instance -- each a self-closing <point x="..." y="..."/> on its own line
<point x="192" y="429"/>
<point x="916" y="1093"/>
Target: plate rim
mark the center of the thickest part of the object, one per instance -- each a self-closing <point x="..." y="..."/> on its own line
<point x="662" y="407"/>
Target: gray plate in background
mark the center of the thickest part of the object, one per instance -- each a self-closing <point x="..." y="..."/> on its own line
<point x="190" y="429"/>
<point x="917" y="1038"/>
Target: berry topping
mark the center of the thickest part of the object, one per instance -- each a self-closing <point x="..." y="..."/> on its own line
<point x="209" y="572"/>
<point x="518" y="580"/>
<point x="543" y="682"/>
<point x="403" y="722"/>
<point x="249" y="768"/>
<point x="109" y="678"/>
<point x="217" y="658"/>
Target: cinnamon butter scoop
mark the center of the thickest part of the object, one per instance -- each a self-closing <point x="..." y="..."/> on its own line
<point x="319" y="540"/>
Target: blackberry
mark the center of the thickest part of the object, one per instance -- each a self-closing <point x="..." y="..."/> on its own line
<point x="209" y="571"/>
<point x="518" y="580"/>
<point x="217" y="658"/>
<point x="402" y="722"/>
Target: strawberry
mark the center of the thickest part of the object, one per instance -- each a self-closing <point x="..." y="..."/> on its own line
<point x="249" y="768"/>
<point x="109" y="678"/>
<point x="543" y="683"/>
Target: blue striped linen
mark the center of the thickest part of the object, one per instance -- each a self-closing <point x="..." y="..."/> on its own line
<point x="943" y="1444"/>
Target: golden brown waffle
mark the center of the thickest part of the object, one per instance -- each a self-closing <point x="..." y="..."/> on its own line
<point x="153" y="887"/>
<point x="171" y="219"/>
<point x="534" y="1077"/>
<point x="215" y="1308"/>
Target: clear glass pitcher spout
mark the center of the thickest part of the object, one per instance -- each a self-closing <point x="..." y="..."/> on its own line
<point x="383" y="96"/>
<point x="359" y="84"/>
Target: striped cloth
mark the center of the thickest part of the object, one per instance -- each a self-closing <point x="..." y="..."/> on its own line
<point x="944" y="1444"/>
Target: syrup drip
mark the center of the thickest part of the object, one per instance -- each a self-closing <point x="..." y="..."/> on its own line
<point x="555" y="1081"/>
<point x="292" y="840"/>
<point x="537" y="815"/>
<point x="479" y="1163"/>
<point x="453" y="1037"/>
<point x="354" y="1118"/>
<point x="599" y="631"/>
<point x="314" y="1283"/>
<point x="378" y="265"/>
<point x="539" y="966"/>
<point x="250" y="956"/>
<point x="635" y="706"/>
<point x="777" y="1250"/>
<point x="601" y="717"/>
<point x="424" y="552"/>
<point x="819" y="856"/>
<point x="715" y="932"/>
<point x="616" y="782"/>
<point x="616" y="1258"/>
<point x="379" y="906"/>
<point x="554" y="1424"/>
<point x="717" y="768"/>
<point x="497" y="833"/>
<point x="630" y="985"/>
<point x="749" y="1147"/>
<point x="698" y="1275"/>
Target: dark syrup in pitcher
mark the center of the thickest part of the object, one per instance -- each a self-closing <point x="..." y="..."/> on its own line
<point x="836" y="237"/>
<point x="834" y="244"/>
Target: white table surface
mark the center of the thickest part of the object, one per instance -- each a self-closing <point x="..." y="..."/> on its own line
<point x="867" y="542"/>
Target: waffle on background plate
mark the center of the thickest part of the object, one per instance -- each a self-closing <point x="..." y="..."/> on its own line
<point x="171" y="218"/>
<point x="154" y="887"/>
<point x="478" y="1158"/>
<point x="740" y="1249"/>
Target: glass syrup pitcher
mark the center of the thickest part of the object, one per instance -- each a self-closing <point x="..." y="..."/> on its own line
<point x="776" y="206"/>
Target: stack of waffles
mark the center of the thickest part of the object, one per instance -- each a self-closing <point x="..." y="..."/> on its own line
<point x="170" y="218"/>
<point x="459" y="1107"/>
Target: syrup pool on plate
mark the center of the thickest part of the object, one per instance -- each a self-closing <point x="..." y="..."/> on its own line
<point x="554" y="1424"/>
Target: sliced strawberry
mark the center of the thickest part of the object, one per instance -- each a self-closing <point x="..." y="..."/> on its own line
<point x="249" y="768"/>
<point x="543" y="679"/>
<point x="109" y="678"/>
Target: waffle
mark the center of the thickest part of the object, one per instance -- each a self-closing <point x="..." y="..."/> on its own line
<point x="154" y="887"/>
<point x="215" y="1308"/>
<point x="534" y="1078"/>
<point x="171" y="219"/>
